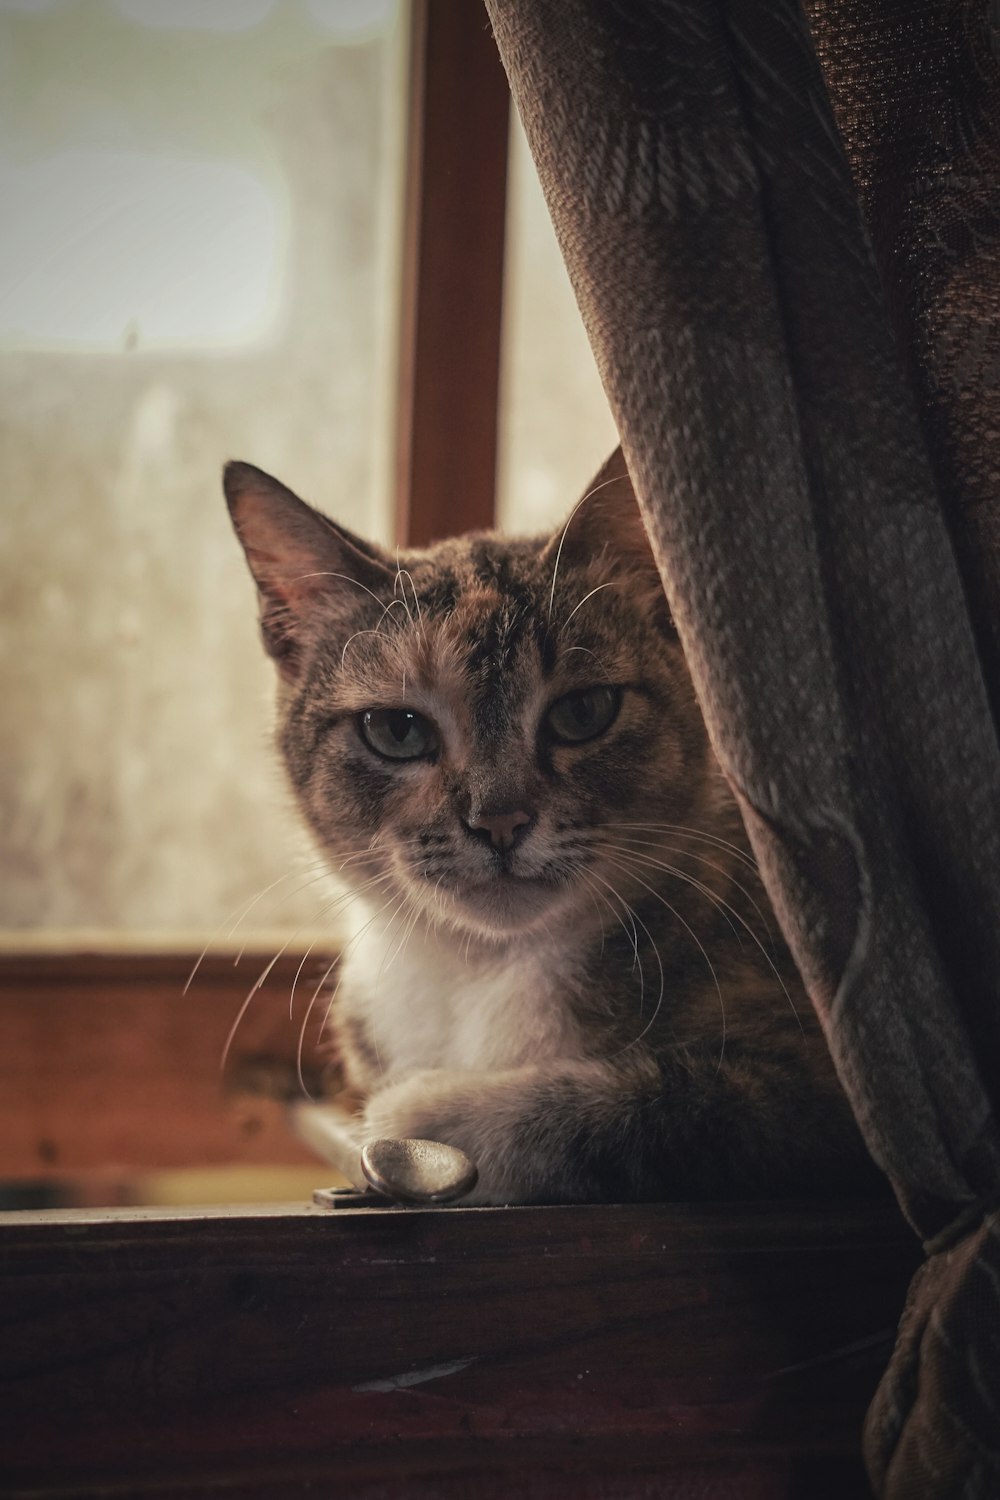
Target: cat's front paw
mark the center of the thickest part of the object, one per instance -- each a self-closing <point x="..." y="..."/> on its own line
<point x="405" y="1110"/>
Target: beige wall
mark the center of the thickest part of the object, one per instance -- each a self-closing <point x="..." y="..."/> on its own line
<point x="555" y="429"/>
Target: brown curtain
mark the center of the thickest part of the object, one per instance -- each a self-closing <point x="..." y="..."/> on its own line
<point x="801" y="346"/>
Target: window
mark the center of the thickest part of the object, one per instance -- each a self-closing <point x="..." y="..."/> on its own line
<point x="198" y="261"/>
<point x="555" y="426"/>
<point x="201" y="259"/>
<point x="212" y="254"/>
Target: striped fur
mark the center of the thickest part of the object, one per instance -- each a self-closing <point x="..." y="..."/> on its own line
<point x="594" y="1009"/>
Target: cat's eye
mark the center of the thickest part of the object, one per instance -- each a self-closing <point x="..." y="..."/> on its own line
<point x="398" y="733"/>
<point x="583" y="715"/>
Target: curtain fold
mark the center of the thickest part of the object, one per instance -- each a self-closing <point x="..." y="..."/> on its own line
<point x="791" y="468"/>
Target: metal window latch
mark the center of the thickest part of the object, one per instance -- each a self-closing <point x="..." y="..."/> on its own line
<point x="413" y="1172"/>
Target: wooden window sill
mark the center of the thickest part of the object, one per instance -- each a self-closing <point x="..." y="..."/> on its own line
<point x="571" y="1352"/>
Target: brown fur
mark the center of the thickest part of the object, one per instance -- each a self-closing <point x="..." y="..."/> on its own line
<point x="593" y="1006"/>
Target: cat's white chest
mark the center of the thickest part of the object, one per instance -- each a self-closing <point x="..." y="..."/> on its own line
<point x="428" y="1005"/>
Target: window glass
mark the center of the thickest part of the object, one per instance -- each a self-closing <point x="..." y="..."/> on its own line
<point x="555" y="426"/>
<point x="197" y="262"/>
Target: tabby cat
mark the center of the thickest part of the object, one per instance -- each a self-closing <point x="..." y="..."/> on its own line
<point x="559" y="959"/>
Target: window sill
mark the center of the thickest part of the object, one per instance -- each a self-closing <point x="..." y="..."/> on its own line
<point x="572" y="1351"/>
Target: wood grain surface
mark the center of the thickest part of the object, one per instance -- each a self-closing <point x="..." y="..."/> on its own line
<point x="615" y="1351"/>
<point x="107" y="1066"/>
<point x="452" y="275"/>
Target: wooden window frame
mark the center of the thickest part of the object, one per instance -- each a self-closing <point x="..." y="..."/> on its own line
<point x="452" y="285"/>
<point x="111" y="1067"/>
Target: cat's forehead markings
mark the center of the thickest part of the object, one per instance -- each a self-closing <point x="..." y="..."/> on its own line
<point x="433" y="659"/>
<point x="476" y="603"/>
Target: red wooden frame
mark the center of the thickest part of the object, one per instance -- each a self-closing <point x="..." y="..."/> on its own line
<point x="452" y="291"/>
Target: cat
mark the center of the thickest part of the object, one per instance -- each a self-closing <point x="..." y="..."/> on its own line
<point x="560" y="957"/>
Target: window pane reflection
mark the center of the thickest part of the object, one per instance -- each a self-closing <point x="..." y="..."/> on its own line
<point x="197" y="261"/>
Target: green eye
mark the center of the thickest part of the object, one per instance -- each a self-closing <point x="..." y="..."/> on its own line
<point x="583" y="715"/>
<point x="398" y="733"/>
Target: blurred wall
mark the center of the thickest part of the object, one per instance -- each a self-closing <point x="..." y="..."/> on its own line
<point x="555" y="426"/>
<point x="199" y="261"/>
<point x="202" y="267"/>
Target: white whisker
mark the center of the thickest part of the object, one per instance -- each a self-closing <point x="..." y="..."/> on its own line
<point x="565" y="650"/>
<point x="682" y="875"/>
<point x="687" y="927"/>
<point x="613" y="584"/>
<point x="344" y="576"/>
<point x="596" y="897"/>
<point x="316" y="992"/>
<point x="351" y="638"/>
<point x="634" y="915"/>
<point x="402" y="573"/>
<point x="404" y="910"/>
<point x="695" y="833"/>
<point x="236" y="917"/>
<point x="346" y="899"/>
<point x="690" y="854"/>
<point x="632" y="936"/>
<point x="615" y="478"/>
<point x="317" y="879"/>
<point x="739" y="918"/>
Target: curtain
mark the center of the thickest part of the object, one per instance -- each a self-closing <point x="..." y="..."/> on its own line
<point x="789" y="280"/>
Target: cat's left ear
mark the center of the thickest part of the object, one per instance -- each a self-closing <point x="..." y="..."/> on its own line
<point x="302" y="563"/>
<point x="607" y="526"/>
<point x="607" y="521"/>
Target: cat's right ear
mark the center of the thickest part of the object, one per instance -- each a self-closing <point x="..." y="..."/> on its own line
<point x="302" y="563"/>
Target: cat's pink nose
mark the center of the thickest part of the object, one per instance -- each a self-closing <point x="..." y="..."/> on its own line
<point x="502" y="827"/>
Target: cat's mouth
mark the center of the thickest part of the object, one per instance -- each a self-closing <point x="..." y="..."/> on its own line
<point x="503" y="896"/>
<point x="508" y="902"/>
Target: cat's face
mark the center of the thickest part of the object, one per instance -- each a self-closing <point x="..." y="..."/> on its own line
<point x="466" y="727"/>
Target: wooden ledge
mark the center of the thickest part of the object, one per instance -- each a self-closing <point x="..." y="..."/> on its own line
<point x="111" y="1063"/>
<point x="554" y="1351"/>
